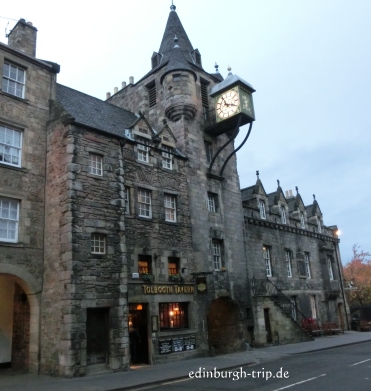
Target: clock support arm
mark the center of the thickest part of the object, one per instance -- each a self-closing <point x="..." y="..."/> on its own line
<point x="235" y="151"/>
<point x="235" y="133"/>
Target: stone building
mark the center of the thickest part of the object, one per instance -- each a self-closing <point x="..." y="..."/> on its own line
<point x="124" y="238"/>
<point x="294" y="264"/>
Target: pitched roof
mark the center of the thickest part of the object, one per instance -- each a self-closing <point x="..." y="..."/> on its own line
<point x="247" y="193"/>
<point x="177" y="62"/>
<point x="93" y="112"/>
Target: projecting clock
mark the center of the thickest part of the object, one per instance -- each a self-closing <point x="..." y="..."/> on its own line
<point x="228" y="104"/>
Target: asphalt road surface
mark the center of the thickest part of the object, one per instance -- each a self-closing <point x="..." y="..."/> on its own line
<point x="339" y="369"/>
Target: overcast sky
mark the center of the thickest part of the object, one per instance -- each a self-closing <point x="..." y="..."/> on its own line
<point x="309" y="61"/>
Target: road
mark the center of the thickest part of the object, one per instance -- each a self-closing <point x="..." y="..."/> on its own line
<point x="338" y="369"/>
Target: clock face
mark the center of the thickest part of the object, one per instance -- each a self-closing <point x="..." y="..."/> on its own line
<point x="227" y="104"/>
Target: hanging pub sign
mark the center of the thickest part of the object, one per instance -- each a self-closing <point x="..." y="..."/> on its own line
<point x="201" y="284"/>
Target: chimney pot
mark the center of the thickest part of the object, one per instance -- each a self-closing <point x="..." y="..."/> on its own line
<point x="131" y="80"/>
<point x="115" y="90"/>
<point x="123" y="84"/>
<point x="108" y="95"/>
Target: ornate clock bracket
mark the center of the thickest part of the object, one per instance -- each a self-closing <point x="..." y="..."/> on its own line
<point x="235" y="133"/>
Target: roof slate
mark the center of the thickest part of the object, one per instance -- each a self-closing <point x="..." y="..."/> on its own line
<point x="95" y="113"/>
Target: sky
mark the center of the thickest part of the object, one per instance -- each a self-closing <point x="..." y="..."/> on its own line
<point x="309" y="61"/>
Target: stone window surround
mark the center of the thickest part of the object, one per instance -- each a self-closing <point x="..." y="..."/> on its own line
<point x="148" y="197"/>
<point x="262" y="212"/>
<point x="283" y="215"/>
<point x="307" y="264"/>
<point x="170" y="318"/>
<point x="330" y="268"/>
<point x="23" y="221"/>
<point x="17" y="66"/>
<point x="217" y="254"/>
<point x="208" y="144"/>
<point x="98" y="243"/>
<point x="212" y="202"/>
<point x="167" y="160"/>
<point x="302" y="220"/>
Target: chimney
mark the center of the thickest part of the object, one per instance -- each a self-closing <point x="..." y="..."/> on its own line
<point x="286" y="194"/>
<point x="23" y="38"/>
<point x="115" y="90"/>
<point x="108" y="95"/>
<point x="131" y="80"/>
<point x="290" y="191"/>
<point x="123" y="84"/>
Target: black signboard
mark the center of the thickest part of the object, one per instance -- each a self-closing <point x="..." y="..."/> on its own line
<point x="178" y="344"/>
<point x="190" y="342"/>
<point x="164" y="346"/>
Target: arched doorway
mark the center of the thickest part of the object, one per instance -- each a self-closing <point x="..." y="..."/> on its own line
<point x="224" y="326"/>
<point x="19" y="323"/>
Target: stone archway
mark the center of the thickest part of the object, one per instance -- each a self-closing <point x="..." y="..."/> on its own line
<point x="224" y="326"/>
<point x="27" y="293"/>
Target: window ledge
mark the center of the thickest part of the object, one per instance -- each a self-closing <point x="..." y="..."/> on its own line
<point x="145" y="163"/>
<point x="11" y="244"/>
<point x="171" y="222"/>
<point x="101" y="177"/>
<point x="141" y="218"/>
<point x="26" y="101"/>
<point x="4" y="165"/>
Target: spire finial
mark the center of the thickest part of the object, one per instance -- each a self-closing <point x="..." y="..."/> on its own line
<point x="314" y="197"/>
<point x="278" y="182"/>
<point x="297" y="190"/>
<point x="172" y="7"/>
<point x="216" y="66"/>
<point x="229" y="70"/>
<point x="257" y="174"/>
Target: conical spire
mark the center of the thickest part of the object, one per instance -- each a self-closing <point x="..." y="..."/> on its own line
<point x="173" y="28"/>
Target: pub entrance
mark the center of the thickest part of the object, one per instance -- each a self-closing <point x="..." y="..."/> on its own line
<point x="97" y="335"/>
<point x="138" y="333"/>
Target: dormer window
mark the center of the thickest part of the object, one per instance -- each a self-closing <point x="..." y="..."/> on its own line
<point x="197" y="57"/>
<point x="283" y="215"/>
<point x="167" y="161"/>
<point x="262" y="209"/>
<point x="143" y="150"/>
<point x="155" y="60"/>
<point x="302" y="221"/>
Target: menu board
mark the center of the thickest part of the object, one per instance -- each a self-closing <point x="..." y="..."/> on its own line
<point x="177" y="344"/>
<point x="164" y="346"/>
<point x="190" y="342"/>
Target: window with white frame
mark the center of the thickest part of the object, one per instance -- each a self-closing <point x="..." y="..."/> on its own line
<point x="143" y="150"/>
<point x="144" y="203"/>
<point x="9" y="218"/>
<point x="170" y="208"/>
<point x="319" y="225"/>
<point x="302" y="221"/>
<point x="212" y="202"/>
<point x="307" y="264"/>
<point x="262" y="209"/>
<point x="95" y="164"/>
<point x="127" y="200"/>
<point x="14" y="79"/>
<point x="288" y="263"/>
<point x="167" y="161"/>
<point x="267" y="261"/>
<point x="10" y="146"/>
<point x="330" y="270"/>
<point x="283" y="215"/>
<point x="217" y="254"/>
<point x="98" y="244"/>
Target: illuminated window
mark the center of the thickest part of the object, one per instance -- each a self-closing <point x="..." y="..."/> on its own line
<point x="144" y="264"/>
<point x="14" y="79"/>
<point x="95" y="164"/>
<point x="173" y="265"/>
<point x="173" y="315"/>
<point x="9" y="217"/>
<point x="98" y="244"/>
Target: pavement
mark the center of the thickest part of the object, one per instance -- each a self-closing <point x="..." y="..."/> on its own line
<point x="148" y="376"/>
